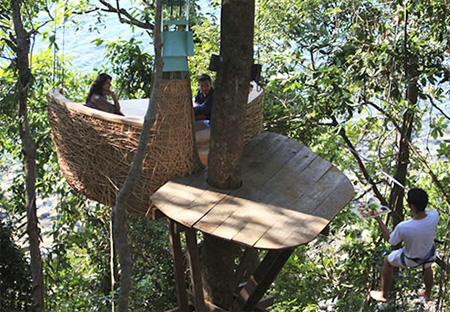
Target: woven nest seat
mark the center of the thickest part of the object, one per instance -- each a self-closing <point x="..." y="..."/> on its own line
<point x="95" y="149"/>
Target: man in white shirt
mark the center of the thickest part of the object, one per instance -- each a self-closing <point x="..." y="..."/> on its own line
<point x="418" y="251"/>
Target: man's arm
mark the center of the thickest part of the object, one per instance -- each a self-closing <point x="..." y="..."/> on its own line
<point x="384" y="230"/>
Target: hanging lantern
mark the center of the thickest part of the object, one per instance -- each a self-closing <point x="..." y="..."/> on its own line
<point x="177" y="39"/>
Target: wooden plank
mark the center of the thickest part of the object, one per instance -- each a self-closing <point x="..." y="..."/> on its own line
<point x="341" y="196"/>
<point x="257" y="173"/>
<point x="275" y="237"/>
<point x="284" y="209"/>
<point x="330" y="182"/>
<point x="175" y="197"/>
<point x="194" y="266"/>
<point x="318" y="186"/>
<point x="252" y="214"/>
<point x="215" y="216"/>
<point x="256" y="141"/>
<point x="257" y="224"/>
<point x="263" y="162"/>
<point x="177" y="256"/>
<point x="285" y="182"/>
<point x="200" y="206"/>
<point x="322" y="189"/>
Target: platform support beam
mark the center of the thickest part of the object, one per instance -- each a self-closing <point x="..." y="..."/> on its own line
<point x="194" y="266"/>
<point x="250" y="295"/>
<point x="177" y="256"/>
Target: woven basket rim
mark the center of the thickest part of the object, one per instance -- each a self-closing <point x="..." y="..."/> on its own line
<point x="89" y="111"/>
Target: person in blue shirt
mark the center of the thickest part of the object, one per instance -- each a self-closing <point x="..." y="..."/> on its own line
<point x="204" y="98"/>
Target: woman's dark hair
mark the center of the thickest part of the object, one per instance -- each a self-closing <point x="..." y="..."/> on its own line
<point x="96" y="86"/>
<point x="418" y="198"/>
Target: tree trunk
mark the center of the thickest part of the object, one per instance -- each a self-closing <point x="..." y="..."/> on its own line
<point x="230" y="97"/>
<point x="119" y="216"/>
<point x="398" y="193"/>
<point x="224" y="160"/>
<point x="29" y="151"/>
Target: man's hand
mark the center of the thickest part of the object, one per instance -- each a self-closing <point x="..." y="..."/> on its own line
<point x="383" y="228"/>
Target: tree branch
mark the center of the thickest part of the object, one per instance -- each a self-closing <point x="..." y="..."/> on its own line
<point x="361" y="165"/>
<point x="419" y="156"/>
<point x="438" y="108"/>
<point x="119" y="217"/>
<point x="129" y="19"/>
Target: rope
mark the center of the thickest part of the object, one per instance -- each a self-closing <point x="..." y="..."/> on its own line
<point x="63" y="67"/>
<point x="55" y="57"/>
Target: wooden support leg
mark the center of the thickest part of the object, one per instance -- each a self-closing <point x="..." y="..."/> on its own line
<point x="244" y="265"/>
<point x="177" y="256"/>
<point x="194" y="266"/>
<point x="260" y="281"/>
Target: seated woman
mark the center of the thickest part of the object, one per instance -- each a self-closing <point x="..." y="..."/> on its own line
<point x="97" y="97"/>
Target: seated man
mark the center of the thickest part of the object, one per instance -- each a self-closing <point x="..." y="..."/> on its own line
<point x="204" y="98"/>
<point x="417" y="235"/>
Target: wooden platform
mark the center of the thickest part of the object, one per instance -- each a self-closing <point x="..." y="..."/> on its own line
<point x="288" y="196"/>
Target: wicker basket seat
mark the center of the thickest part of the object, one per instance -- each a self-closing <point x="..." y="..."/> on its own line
<point x="95" y="149"/>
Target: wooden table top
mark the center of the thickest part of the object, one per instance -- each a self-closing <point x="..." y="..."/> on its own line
<point x="288" y="195"/>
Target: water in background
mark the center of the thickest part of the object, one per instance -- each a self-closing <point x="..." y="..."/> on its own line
<point x="76" y="43"/>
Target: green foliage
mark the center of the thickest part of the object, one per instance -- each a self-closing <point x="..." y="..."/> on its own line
<point x="15" y="277"/>
<point x="206" y="42"/>
<point x="133" y="67"/>
<point x="336" y="75"/>
<point x="153" y="288"/>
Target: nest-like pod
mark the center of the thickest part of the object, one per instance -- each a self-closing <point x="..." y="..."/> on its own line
<point x="253" y="124"/>
<point x="95" y="149"/>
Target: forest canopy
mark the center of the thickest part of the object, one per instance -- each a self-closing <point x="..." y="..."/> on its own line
<point x="364" y="84"/>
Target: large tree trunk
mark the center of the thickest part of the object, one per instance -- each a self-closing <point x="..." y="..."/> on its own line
<point x="224" y="160"/>
<point x="230" y="97"/>
<point x="29" y="151"/>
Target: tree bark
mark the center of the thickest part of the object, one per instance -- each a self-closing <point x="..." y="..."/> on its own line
<point x="119" y="217"/>
<point x="230" y="97"/>
<point x="226" y="143"/>
<point x="29" y="152"/>
<point x="398" y="193"/>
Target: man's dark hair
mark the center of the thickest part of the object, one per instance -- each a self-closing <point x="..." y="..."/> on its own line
<point x="418" y="198"/>
<point x="204" y="77"/>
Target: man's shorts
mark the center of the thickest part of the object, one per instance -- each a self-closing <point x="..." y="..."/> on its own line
<point x="395" y="259"/>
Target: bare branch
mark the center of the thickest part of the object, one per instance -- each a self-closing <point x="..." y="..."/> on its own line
<point x="41" y="137"/>
<point x="129" y="19"/>
<point x="361" y="165"/>
<point x="438" y="108"/>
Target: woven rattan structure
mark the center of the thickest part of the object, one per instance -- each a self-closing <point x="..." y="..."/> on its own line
<point x="254" y="115"/>
<point x="95" y="149"/>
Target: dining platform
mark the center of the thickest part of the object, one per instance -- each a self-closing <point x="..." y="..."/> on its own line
<point x="288" y="196"/>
